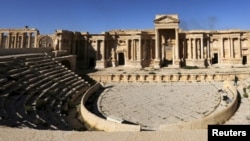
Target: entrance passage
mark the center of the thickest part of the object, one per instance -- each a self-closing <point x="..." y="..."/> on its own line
<point x="215" y="58"/>
<point x="244" y="60"/>
<point x="121" y="60"/>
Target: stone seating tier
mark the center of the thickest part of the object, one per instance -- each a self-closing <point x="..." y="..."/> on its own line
<point x="33" y="88"/>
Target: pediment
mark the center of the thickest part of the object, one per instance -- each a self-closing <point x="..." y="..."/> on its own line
<point x="166" y="19"/>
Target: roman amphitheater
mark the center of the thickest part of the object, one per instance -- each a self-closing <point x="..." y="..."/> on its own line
<point x="159" y="84"/>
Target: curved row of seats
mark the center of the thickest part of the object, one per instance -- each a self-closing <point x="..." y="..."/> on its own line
<point x="36" y="92"/>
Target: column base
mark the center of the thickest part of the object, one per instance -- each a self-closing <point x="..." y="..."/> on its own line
<point x="177" y="62"/>
<point x="100" y="64"/>
<point x="157" y="64"/>
<point x="113" y="63"/>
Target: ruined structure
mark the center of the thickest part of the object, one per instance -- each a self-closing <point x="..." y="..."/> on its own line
<point x="164" y="46"/>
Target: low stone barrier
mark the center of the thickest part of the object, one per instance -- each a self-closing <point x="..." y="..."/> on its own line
<point x="215" y="118"/>
<point x="166" y="77"/>
<point x="97" y="123"/>
<point x="16" y="51"/>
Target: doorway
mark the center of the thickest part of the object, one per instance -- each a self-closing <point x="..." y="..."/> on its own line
<point x="121" y="60"/>
<point x="244" y="60"/>
<point x="215" y="58"/>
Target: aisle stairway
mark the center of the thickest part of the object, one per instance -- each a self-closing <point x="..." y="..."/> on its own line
<point x="242" y="115"/>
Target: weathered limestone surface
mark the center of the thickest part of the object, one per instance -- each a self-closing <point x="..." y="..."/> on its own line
<point x="8" y="134"/>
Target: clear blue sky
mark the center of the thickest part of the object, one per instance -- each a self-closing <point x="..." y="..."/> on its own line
<point x="96" y="16"/>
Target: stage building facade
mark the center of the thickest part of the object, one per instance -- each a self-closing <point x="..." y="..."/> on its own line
<point x="164" y="46"/>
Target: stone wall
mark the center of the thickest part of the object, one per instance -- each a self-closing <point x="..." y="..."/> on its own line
<point x="97" y="123"/>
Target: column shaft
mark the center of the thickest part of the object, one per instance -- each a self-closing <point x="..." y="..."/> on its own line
<point x="231" y="48"/>
<point x="127" y="54"/>
<point x="60" y="44"/>
<point x="189" y="48"/>
<point x="157" y="45"/>
<point x="177" y="44"/>
<point x="222" y="48"/>
<point x="208" y="48"/>
<point x="29" y="40"/>
<point x="202" y="49"/>
<point x="35" y="40"/>
<point x="15" y="40"/>
<point x="8" y="40"/>
<point x="1" y="36"/>
<point x="102" y="46"/>
<point x="240" y="52"/>
<point x="22" y="40"/>
<point x="194" y="48"/>
<point x="134" y="49"/>
<point x="139" y="54"/>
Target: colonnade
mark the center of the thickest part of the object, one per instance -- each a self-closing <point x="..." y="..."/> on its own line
<point x="195" y="48"/>
<point x="18" y="40"/>
<point x="231" y="47"/>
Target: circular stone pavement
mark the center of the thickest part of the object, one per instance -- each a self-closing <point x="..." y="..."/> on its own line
<point x="153" y="104"/>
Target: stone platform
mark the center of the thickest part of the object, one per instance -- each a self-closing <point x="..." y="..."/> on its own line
<point x="153" y="104"/>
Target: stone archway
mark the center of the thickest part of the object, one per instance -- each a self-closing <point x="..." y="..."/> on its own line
<point x="46" y="41"/>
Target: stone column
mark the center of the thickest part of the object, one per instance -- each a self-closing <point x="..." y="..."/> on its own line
<point x="143" y="48"/>
<point x="60" y="44"/>
<point x="107" y="49"/>
<point x="184" y="49"/>
<point x="194" y="48"/>
<point x="8" y="40"/>
<point x="1" y="36"/>
<point x="239" y="44"/>
<point x="161" y="46"/>
<point x="202" y="48"/>
<point x="127" y="54"/>
<point x="134" y="49"/>
<point x="198" y="50"/>
<point x="15" y="41"/>
<point x="97" y="50"/>
<point x="25" y="42"/>
<point x="150" y="49"/>
<point x="22" y="40"/>
<point x="189" y="46"/>
<point x="102" y="50"/>
<point x="139" y="54"/>
<point x="208" y="49"/>
<point x="29" y="40"/>
<point x="130" y="49"/>
<point x="35" y="39"/>
<point x="162" y="51"/>
<point x="231" y="48"/>
<point x="176" y="44"/>
<point x="157" y="45"/>
<point x="222" y="51"/>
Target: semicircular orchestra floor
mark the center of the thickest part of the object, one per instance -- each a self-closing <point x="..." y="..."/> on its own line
<point x="153" y="104"/>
